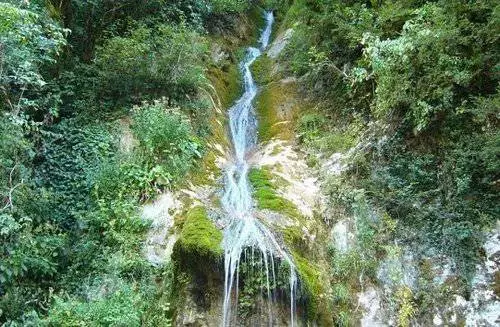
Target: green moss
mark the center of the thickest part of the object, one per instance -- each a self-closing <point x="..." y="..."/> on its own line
<point x="261" y="70"/>
<point x="264" y="191"/>
<point x="199" y="239"/>
<point x="311" y="282"/>
<point x="227" y="83"/>
<point x="277" y="105"/>
<point x="293" y="236"/>
<point x="197" y="261"/>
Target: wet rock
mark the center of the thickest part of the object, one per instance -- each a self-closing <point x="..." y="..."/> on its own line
<point x="398" y="268"/>
<point x="299" y="186"/>
<point x="192" y="314"/>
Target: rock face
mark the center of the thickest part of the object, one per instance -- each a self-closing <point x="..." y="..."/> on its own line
<point x="280" y="43"/>
<point x="342" y="235"/>
<point x="371" y="303"/>
<point x="300" y="186"/>
<point x="192" y="314"/>
<point x="160" y="239"/>
<point x="483" y="309"/>
<point x="403" y="266"/>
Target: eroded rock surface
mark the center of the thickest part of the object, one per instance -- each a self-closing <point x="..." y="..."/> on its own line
<point x="161" y="236"/>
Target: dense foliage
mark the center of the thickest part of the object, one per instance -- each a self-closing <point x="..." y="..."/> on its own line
<point x="73" y="76"/>
<point x="416" y="83"/>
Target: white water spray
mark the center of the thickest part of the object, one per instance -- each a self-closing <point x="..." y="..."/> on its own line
<point x="243" y="230"/>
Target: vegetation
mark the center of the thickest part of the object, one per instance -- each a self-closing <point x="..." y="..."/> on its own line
<point x="255" y="282"/>
<point x="415" y="83"/>
<point x="311" y="285"/>
<point x="70" y="234"/>
<point x="200" y="240"/>
<point x="406" y="90"/>
<point x="261" y="70"/>
<point x="265" y="193"/>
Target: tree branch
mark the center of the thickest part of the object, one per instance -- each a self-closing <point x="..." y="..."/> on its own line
<point x="9" y="203"/>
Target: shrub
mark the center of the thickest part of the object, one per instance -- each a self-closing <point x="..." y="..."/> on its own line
<point x="30" y="41"/>
<point x="221" y="6"/>
<point x="120" y="305"/>
<point x="164" y="61"/>
<point x="165" y="139"/>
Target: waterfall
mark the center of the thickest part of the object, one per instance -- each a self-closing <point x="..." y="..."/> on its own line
<point x="243" y="231"/>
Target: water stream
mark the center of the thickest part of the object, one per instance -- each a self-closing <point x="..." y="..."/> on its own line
<point x="245" y="237"/>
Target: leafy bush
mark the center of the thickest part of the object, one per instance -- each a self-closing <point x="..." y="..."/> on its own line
<point x="432" y="35"/>
<point x="341" y="294"/>
<point x="221" y="6"/>
<point x="166" y="139"/>
<point x="120" y="305"/>
<point x="30" y="41"/>
<point x="71" y="152"/>
<point x="165" y="60"/>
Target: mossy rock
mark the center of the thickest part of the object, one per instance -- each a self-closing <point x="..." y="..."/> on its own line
<point x="199" y="241"/>
<point x="264" y="188"/>
<point x="277" y="105"/>
<point x="264" y="191"/>
<point x="227" y="83"/>
<point x="197" y="257"/>
<point x="294" y="236"/>
<point x="261" y="70"/>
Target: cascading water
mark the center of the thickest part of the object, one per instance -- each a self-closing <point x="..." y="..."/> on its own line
<point x="243" y="231"/>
